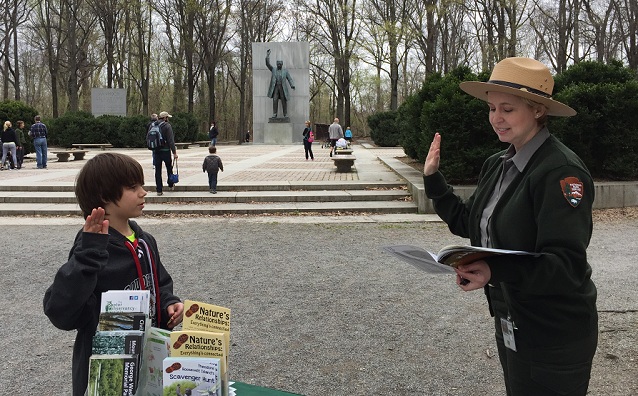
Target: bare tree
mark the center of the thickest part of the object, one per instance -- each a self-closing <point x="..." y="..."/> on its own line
<point x="178" y="17"/>
<point x="14" y="14"/>
<point x="336" y="33"/>
<point x="139" y="32"/>
<point x="211" y="31"/>
<point x="373" y="42"/>
<point x="257" y="20"/>
<point x="554" y="26"/>
<point x="78" y="23"/>
<point x="48" y="27"/>
<point x="110" y="14"/>
<point x="497" y="23"/>
<point x="425" y="23"/>
<point x="391" y="18"/>
<point x="627" y="11"/>
<point x="599" y="25"/>
<point x="453" y="38"/>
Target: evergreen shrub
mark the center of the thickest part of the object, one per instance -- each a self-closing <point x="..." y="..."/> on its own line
<point x="466" y="135"/>
<point x="82" y="127"/>
<point x="604" y="133"/>
<point x="383" y="129"/>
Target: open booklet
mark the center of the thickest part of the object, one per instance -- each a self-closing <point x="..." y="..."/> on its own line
<point x="448" y="257"/>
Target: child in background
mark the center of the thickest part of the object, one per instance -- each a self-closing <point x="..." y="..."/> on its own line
<point x="212" y="164"/>
<point x="348" y="135"/>
<point x="111" y="252"/>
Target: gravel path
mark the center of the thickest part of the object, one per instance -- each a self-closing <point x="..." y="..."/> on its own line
<point x="318" y="308"/>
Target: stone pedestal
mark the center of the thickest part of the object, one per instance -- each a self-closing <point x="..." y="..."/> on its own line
<point x="277" y="133"/>
<point x="279" y="120"/>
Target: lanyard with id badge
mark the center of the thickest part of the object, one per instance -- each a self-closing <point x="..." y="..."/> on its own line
<point x="507" y="327"/>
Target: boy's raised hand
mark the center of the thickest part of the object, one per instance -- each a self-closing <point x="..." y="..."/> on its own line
<point x="96" y="223"/>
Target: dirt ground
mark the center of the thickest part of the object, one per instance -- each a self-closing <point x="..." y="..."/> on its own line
<point x="333" y="316"/>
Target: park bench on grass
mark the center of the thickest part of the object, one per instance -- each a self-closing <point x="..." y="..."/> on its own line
<point x="182" y="145"/>
<point x="63" y="156"/>
<point x="343" y="162"/>
<point x="202" y="143"/>
<point x="102" y="146"/>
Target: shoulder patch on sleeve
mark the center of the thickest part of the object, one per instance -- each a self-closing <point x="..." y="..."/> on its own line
<point x="572" y="189"/>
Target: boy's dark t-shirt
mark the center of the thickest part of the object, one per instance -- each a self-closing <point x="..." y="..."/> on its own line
<point x="97" y="263"/>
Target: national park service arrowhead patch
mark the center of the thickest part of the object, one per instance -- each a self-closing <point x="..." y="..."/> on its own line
<point x="572" y="189"/>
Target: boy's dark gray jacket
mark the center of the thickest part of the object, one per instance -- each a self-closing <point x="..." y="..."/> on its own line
<point x="97" y="263"/>
<point x="212" y="164"/>
<point x="552" y="299"/>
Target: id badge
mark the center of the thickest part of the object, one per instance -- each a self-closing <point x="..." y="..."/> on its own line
<point x="507" y="328"/>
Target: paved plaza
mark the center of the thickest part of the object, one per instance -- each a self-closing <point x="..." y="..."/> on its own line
<point x="242" y="163"/>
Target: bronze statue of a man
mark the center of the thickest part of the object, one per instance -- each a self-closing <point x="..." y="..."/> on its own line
<point x="278" y="89"/>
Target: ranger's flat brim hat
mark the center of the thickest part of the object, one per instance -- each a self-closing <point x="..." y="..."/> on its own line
<point x="524" y="77"/>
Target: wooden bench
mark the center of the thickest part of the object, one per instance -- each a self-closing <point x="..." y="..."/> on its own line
<point x="102" y="146"/>
<point x="343" y="162"/>
<point x="63" y="156"/>
<point x="343" y="151"/>
<point x="182" y="145"/>
<point x="202" y="143"/>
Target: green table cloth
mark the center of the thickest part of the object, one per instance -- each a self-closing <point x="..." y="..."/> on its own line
<point x="252" y="390"/>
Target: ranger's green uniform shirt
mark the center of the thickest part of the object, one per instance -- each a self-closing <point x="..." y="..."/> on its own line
<point x="547" y="209"/>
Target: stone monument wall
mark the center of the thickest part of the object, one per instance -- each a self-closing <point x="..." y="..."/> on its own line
<point x="296" y="59"/>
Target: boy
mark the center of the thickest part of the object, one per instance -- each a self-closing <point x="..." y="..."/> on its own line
<point x="111" y="252"/>
<point x="212" y="164"/>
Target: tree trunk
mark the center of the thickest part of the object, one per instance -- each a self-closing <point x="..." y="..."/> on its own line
<point x="72" y="49"/>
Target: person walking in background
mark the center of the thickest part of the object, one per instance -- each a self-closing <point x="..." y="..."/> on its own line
<point x="348" y="135"/>
<point x="20" y="142"/>
<point x="39" y="134"/>
<point x="308" y="138"/>
<point x="163" y="154"/>
<point x="213" y="132"/>
<point x="335" y="132"/>
<point x="8" y="145"/>
<point x="148" y="127"/>
<point x="247" y="136"/>
<point x="212" y="164"/>
<point x="544" y="306"/>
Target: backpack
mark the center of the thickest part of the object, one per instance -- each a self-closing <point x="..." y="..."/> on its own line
<point x="154" y="138"/>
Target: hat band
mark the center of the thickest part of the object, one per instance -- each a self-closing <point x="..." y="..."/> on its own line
<point x="521" y="87"/>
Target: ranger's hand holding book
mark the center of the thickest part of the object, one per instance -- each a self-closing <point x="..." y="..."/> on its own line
<point x="464" y="260"/>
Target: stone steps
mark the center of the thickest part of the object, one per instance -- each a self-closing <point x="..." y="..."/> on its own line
<point x="238" y="199"/>
<point x="369" y="207"/>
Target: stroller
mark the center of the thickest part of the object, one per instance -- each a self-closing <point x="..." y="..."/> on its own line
<point x="8" y="163"/>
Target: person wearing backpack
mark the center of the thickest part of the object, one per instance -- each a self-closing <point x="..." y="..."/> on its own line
<point x="162" y="153"/>
<point x="148" y="128"/>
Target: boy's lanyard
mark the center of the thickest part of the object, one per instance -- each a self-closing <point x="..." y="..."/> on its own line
<point x="132" y="247"/>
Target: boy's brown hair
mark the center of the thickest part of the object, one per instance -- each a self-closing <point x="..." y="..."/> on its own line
<point x="212" y="149"/>
<point x="103" y="179"/>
